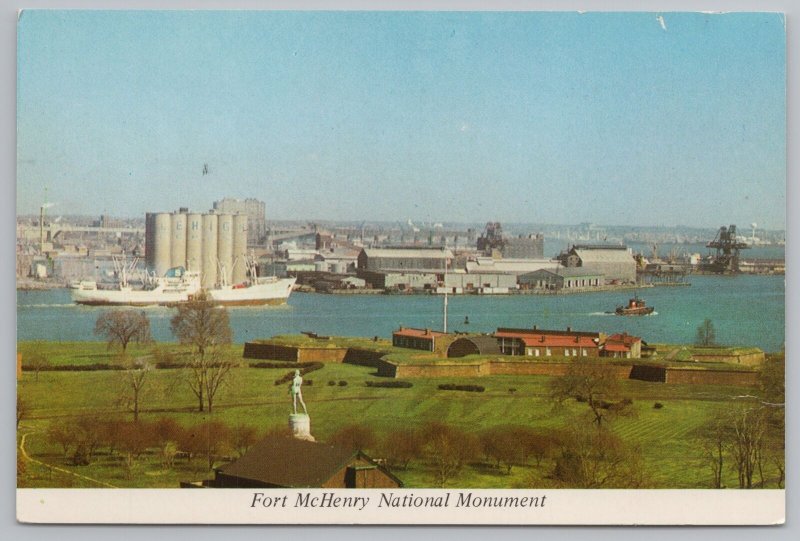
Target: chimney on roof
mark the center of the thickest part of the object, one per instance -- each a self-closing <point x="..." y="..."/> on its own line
<point x="569" y="329"/>
<point x="401" y="327"/>
<point x="534" y="327"/>
<point x="427" y="331"/>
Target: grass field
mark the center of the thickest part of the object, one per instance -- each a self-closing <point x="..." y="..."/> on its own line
<point x="665" y="436"/>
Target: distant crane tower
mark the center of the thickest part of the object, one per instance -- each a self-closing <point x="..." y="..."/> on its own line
<point x="727" y="246"/>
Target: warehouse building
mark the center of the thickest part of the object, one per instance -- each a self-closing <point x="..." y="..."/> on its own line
<point x="403" y="259"/>
<point x="615" y="263"/>
<point x="570" y="278"/>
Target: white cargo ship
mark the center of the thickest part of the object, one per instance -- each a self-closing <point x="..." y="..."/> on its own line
<point x="179" y="285"/>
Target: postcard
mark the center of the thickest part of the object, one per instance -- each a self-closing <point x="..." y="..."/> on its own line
<point x="404" y="267"/>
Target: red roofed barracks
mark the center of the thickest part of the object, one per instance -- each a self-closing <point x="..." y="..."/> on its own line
<point x="424" y="339"/>
<point x="545" y="343"/>
<point x="623" y="346"/>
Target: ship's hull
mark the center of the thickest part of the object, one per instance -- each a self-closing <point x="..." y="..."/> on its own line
<point x="270" y="293"/>
<point x="634" y="311"/>
<point x="100" y="297"/>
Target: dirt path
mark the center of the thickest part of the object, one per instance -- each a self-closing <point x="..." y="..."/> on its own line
<point x="56" y="468"/>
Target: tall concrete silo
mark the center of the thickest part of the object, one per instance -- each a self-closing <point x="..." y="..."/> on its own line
<point x="178" y="241"/>
<point x="225" y="247"/>
<point x="162" y="255"/>
<point x="150" y="240"/>
<point x="239" y="248"/>
<point x="194" y="242"/>
<point x="209" y="277"/>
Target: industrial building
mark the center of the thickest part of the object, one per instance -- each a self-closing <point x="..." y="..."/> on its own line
<point x="488" y="265"/>
<point x="615" y="263"/>
<point x="255" y="211"/>
<point x="404" y="259"/>
<point x="494" y="243"/>
<point x="557" y="279"/>
<point x="213" y="244"/>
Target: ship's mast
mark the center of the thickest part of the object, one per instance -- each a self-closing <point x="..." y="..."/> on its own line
<point x="444" y="326"/>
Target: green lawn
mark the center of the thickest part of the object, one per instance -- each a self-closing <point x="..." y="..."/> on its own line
<point x="665" y="436"/>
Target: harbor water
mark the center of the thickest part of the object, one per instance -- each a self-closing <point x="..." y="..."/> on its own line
<point x="745" y="311"/>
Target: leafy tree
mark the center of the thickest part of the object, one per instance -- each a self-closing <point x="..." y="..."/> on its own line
<point x="204" y="327"/>
<point x="591" y="382"/>
<point x="211" y="439"/>
<point x="706" y="334"/>
<point x="60" y="434"/>
<point x="122" y="327"/>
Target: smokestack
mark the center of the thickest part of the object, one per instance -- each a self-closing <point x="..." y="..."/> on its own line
<point x="41" y="229"/>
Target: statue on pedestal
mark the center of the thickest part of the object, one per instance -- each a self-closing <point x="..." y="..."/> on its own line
<point x="296" y="393"/>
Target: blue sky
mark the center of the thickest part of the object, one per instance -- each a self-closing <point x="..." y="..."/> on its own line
<point x="631" y="118"/>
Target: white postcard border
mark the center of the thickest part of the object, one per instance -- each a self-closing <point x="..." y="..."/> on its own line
<point x="402" y="507"/>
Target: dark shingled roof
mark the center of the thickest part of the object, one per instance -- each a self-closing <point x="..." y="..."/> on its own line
<point x="290" y="462"/>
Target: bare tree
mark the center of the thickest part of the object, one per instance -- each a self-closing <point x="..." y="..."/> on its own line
<point x="593" y="383"/>
<point x="243" y="437"/>
<point x="401" y="446"/>
<point x="123" y="327"/>
<point x="706" y="334"/>
<point x="715" y="438"/>
<point x="38" y="362"/>
<point x="134" y="376"/>
<point x="22" y="408"/>
<point x="449" y="449"/>
<point x="598" y="459"/>
<point x="355" y="437"/>
<point x="748" y="427"/>
<point x="204" y="327"/>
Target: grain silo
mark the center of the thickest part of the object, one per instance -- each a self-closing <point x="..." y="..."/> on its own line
<point x="194" y="242"/>
<point x="239" y="248"/>
<point x="209" y="278"/>
<point x="178" y="241"/>
<point x="162" y="255"/>
<point x="225" y="247"/>
<point x="150" y="240"/>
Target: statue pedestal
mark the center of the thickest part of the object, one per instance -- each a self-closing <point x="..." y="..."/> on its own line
<point x="300" y="424"/>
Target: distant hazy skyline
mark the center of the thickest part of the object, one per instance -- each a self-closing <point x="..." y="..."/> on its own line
<point x="629" y="119"/>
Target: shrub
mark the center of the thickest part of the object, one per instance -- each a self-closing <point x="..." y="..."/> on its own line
<point x="342" y="383"/>
<point x="658" y="405"/>
<point x="331" y="383"/>
<point x="393" y="384"/>
<point x="512" y="390"/>
<point x="454" y="387"/>
<point x="304" y="369"/>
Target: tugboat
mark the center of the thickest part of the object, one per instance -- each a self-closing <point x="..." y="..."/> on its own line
<point x="636" y="307"/>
